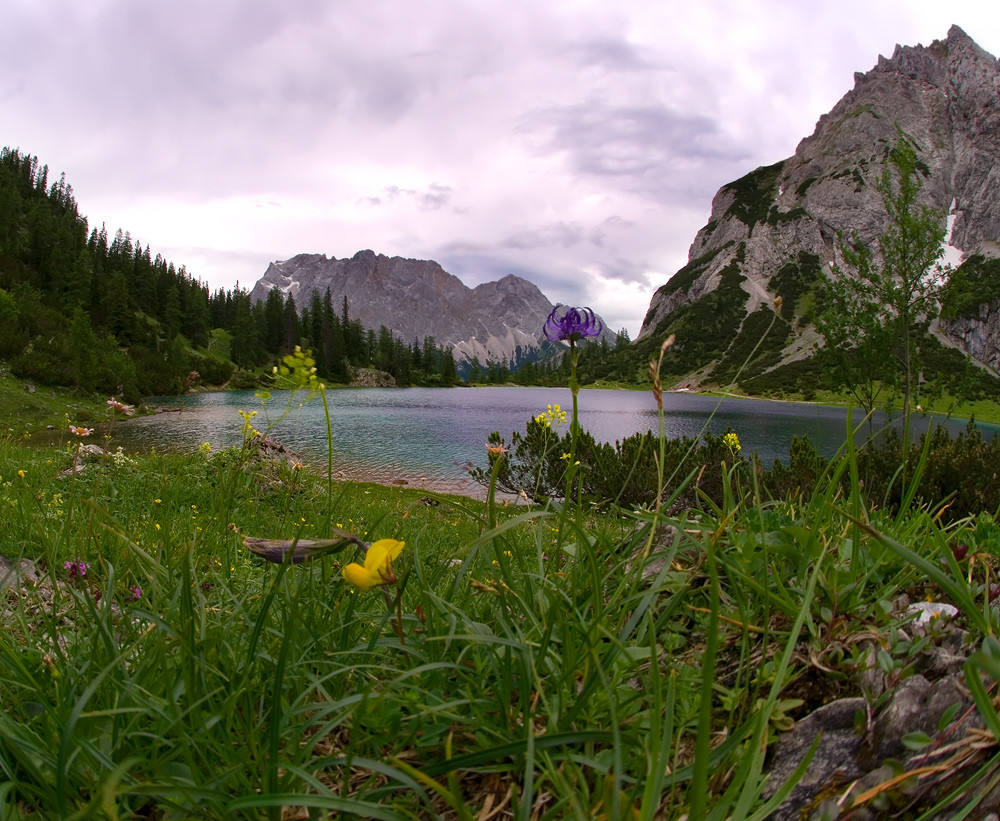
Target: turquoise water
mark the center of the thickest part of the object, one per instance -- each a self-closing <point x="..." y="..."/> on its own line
<point x="429" y="437"/>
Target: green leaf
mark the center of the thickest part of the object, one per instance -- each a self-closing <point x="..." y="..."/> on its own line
<point x="948" y="716"/>
<point x="916" y="740"/>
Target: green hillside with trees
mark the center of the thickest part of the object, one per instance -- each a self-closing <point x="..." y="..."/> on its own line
<point x="81" y="309"/>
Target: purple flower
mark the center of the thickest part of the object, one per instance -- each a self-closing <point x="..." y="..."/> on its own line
<point x="572" y="324"/>
<point x="135" y="593"/>
<point x="77" y="570"/>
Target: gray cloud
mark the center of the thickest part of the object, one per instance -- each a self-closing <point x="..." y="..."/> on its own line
<point x="650" y="149"/>
<point x="577" y="145"/>
<point x="430" y="199"/>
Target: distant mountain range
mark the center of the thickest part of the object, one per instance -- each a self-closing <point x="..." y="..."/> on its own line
<point x="775" y="231"/>
<point x="414" y="298"/>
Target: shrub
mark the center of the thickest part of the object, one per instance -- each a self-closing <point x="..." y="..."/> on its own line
<point x="962" y="473"/>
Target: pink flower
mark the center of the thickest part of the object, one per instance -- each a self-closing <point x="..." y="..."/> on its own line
<point x="80" y="431"/>
<point x="121" y="407"/>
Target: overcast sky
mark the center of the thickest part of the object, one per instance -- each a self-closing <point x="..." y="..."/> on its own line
<point x="577" y="144"/>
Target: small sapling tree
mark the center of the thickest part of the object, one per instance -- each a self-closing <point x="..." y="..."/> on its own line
<point x="875" y="312"/>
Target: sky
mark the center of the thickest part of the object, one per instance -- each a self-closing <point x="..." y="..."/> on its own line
<point x="576" y="144"/>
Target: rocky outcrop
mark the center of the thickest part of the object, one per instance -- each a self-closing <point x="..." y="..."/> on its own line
<point x="417" y="298"/>
<point x="976" y="334"/>
<point x="776" y="229"/>
<point x="867" y="760"/>
<point x="371" y="378"/>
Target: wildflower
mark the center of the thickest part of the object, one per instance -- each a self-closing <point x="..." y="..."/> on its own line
<point x="731" y="441"/>
<point x="80" y="431"/>
<point x="572" y="324"/>
<point x="20" y="473"/>
<point x="496" y="449"/>
<point x="297" y="551"/>
<point x="121" y="407"/>
<point x="378" y="565"/>
<point x="77" y="569"/>
<point x="134" y="593"/>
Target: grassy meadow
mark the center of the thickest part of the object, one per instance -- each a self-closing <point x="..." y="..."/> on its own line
<point x="530" y="661"/>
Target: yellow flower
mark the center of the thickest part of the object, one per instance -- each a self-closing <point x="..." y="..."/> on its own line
<point x="554" y="414"/>
<point x="378" y="565"/>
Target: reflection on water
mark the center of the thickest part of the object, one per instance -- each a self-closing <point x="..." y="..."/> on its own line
<point x="429" y="436"/>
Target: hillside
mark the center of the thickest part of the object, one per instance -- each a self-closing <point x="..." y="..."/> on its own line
<point x="777" y="231"/>
<point x="105" y="314"/>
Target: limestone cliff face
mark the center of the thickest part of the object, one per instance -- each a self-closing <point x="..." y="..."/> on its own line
<point x="775" y="231"/>
<point x="418" y="298"/>
<point x="977" y="334"/>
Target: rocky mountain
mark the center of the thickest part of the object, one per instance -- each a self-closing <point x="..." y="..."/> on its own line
<point x="775" y="231"/>
<point x="417" y="298"/>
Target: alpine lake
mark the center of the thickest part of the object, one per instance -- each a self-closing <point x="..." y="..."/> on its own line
<point x="429" y="437"/>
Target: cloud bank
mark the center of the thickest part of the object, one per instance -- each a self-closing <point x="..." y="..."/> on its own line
<point x="578" y="144"/>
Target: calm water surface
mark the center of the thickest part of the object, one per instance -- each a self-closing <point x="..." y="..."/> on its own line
<point x="429" y="436"/>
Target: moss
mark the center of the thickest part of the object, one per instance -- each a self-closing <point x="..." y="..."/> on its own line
<point x="754" y="194"/>
<point x="794" y="280"/>
<point x="803" y="376"/>
<point x="854" y="174"/>
<point x="686" y="276"/>
<point x="704" y="328"/>
<point x="975" y="282"/>
<point x="756" y="348"/>
<point x="857" y="111"/>
<point x="804" y="186"/>
<point x="776" y="217"/>
<point x="953" y="371"/>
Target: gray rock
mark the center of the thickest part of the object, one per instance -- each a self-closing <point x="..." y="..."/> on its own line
<point x="417" y="298"/>
<point x="835" y="760"/>
<point x="17" y="571"/>
<point x="653" y="564"/>
<point x="861" y="740"/>
<point x="945" y="96"/>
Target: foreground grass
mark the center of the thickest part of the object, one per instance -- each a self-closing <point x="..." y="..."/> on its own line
<point x="546" y="663"/>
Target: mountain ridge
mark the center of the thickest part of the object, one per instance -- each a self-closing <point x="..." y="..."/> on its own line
<point x="494" y="321"/>
<point x="776" y="231"/>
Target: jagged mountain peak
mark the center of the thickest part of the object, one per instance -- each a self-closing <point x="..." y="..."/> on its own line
<point x="776" y="230"/>
<point x="414" y="298"/>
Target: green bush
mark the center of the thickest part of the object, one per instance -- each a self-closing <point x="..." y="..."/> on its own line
<point x="624" y="473"/>
<point x="962" y="473"/>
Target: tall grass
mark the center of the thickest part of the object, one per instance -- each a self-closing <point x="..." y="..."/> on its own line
<point x="550" y="662"/>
